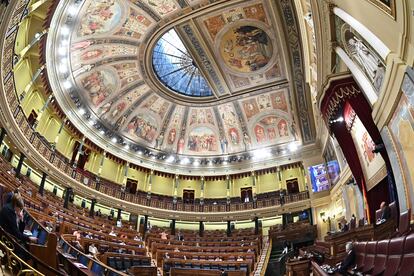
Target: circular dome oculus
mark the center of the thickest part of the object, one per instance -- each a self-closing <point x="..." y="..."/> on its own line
<point x="176" y="68"/>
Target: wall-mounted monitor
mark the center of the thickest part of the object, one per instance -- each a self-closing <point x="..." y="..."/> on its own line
<point x="319" y="178"/>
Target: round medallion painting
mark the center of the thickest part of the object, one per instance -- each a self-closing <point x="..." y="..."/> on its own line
<point x="246" y="48"/>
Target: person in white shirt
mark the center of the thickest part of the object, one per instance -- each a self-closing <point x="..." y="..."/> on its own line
<point x="93" y="250"/>
<point x="136" y="238"/>
<point x="119" y="223"/>
<point x="112" y="233"/>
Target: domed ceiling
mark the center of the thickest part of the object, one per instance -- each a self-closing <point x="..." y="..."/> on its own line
<point x="166" y="81"/>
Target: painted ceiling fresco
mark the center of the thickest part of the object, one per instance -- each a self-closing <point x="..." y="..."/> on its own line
<point x="123" y="75"/>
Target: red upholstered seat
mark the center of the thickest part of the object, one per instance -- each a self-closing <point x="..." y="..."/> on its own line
<point x="404" y="224"/>
<point x="380" y="257"/>
<point x="370" y="250"/>
<point x="395" y="251"/>
<point x="394" y="211"/>
<point x="359" y="248"/>
<point x="409" y="244"/>
<point x="407" y="265"/>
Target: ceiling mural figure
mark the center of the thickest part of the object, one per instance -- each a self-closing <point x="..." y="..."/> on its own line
<point x="99" y="85"/>
<point x="246" y="48"/>
<point x="100" y="17"/>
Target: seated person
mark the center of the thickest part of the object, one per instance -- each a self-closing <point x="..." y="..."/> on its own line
<point x="119" y="223"/>
<point x="112" y="233"/>
<point x="386" y="211"/>
<point x="77" y="233"/>
<point x="11" y="219"/>
<point x="166" y="256"/>
<point x="349" y="260"/>
<point x="285" y="248"/>
<point x="176" y="249"/>
<point x="77" y="245"/>
<point x="345" y="226"/>
<point x="218" y="259"/>
<point x="93" y="250"/>
<point x="180" y="237"/>
<point x="137" y="238"/>
<point x="240" y="259"/>
<point x="163" y="235"/>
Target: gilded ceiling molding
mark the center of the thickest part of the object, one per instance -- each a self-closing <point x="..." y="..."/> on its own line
<point x="295" y="47"/>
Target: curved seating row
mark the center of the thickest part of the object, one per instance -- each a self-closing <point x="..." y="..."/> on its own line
<point x="386" y="257"/>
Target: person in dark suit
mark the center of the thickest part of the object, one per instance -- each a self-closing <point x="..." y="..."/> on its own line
<point x="11" y="219"/>
<point x="349" y="260"/>
<point x="386" y="211"/>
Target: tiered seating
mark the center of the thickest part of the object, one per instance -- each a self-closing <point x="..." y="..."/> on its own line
<point x="71" y="253"/>
<point x="213" y="251"/>
<point x="385" y="257"/>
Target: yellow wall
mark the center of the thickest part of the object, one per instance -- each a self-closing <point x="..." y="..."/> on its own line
<point x="110" y="169"/>
<point x="64" y="142"/>
<point x="215" y="189"/>
<point x="189" y="185"/>
<point x="240" y="183"/>
<point x="32" y="101"/>
<point x="162" y="185"/>
<point x="291" y="174"/>
<point x="139" y="176"/>
<point x="267" y="183"/>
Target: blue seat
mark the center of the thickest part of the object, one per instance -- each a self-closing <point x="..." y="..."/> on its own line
<point x="83" y="259"/>
<point x="97" y="269"/>
<point x="111" y="262"/>
<point x="127" y="263"/>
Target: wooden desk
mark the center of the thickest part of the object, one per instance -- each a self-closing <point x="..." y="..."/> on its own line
<point x="298" y="267"/>
<point x="143" y="270"/>
<point x="202" y="272"/>
<point x="71" y="268"/>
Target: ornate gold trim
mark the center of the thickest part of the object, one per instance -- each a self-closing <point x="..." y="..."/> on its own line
<point x="15" y="265"/>
<point x="390" y="10"/>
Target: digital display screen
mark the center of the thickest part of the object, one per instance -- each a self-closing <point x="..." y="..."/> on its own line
<point x="319" y="178"/>
<point x="333" y="171"/>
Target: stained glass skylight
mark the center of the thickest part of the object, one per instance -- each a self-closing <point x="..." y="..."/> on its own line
<point x="176" y="68"/>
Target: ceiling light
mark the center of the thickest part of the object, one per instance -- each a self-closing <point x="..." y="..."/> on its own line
<point x="72" y="10"/>
<point x="210" y="163"/>
<point x="170" y="159"/>
<point x="196" y="163"/>
<point x="62" y="51"/>
<point x="261" y="154"/>
<point x="126" y="146"/>
<point x="102" y="132"/>
<point x="67" y="85"/>
<point x="63" y="68"/>
<point x="114" y="140"/>
<point x="292" y="147"/>
<point x="64" y="30"/>
<point x="82" y="111"/>
<point x="91" y="122"/>
<point x="185" y="161"/>
<point x="340" y="119"/>
<point x="140" y="152"/>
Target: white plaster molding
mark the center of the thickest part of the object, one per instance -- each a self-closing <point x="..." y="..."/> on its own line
<point x="359" y="76"/>
<point x="369" y="36"/>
